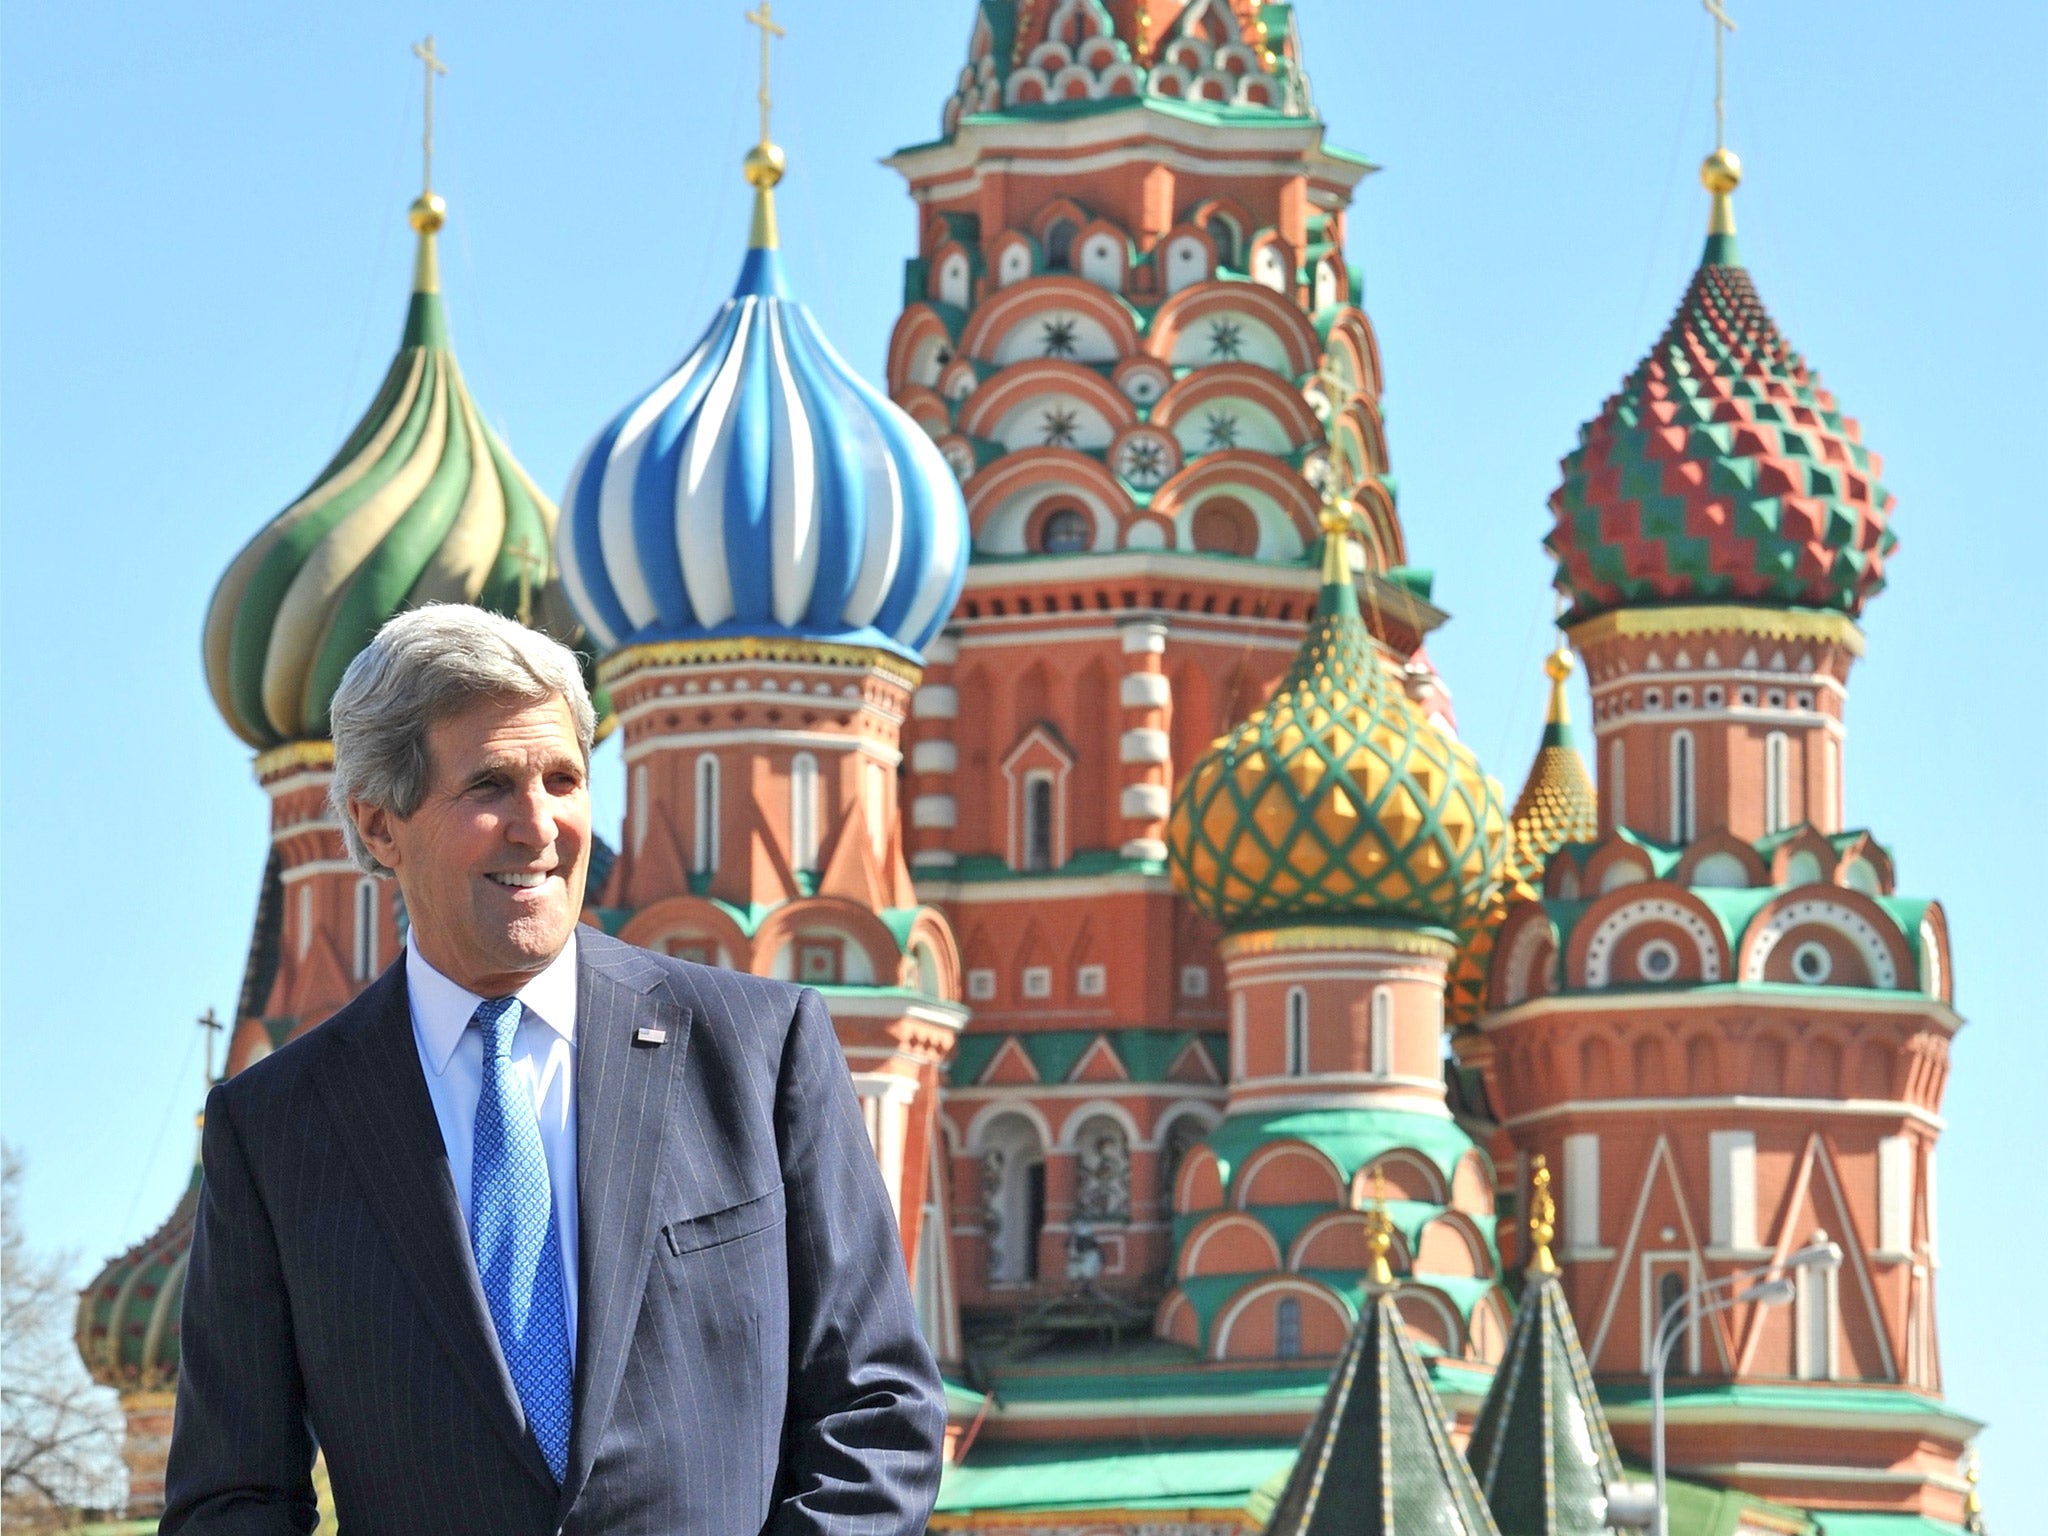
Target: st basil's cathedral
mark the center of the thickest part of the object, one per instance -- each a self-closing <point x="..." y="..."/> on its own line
<point x="1289" y="1128"/>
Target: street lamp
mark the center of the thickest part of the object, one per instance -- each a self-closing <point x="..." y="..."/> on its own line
<point x="1768" y="1285"/>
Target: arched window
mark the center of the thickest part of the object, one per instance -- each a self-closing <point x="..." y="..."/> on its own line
<point x="1066" y="532"/>
<point x="1287" y="1328"/>
<point x="1382" y="1044"/>
<point x="1102" y="1183"/>
<point x="366" y="928"/>
<point x="1059" y="244"/>
<point x="803" y="813"/>
<point x="704" y="852"/>
<point x="1225" y="526"/>
<point x="305" y="918"/>
<point x="639" y="805"/>
<point x="1237" y="1036"/>
<point x="1223" y="236"/>
<point x="1297" y="1032"/>
<point x="1615" y="790"/>
<point x="1038" y="802"/>
<point x="1684" y="808"/>
<point x="1777" y="783"/>
<point x="1012" y="1199"/>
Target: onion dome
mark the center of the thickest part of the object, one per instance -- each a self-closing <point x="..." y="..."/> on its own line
<point x="127" y="1330"/>
<point x="1557" y="805"/>
<point x="1722" y="471"/>
<point x="1057" y="57"/>
<point x="1337" y="798"/>
<point x="423" y="504"/>
<point x="764" y="489"/>
<point x="1541" y="1449"/>
<point x="1378" y="1456"/>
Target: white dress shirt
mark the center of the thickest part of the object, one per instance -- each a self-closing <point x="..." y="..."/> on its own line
<point x="543" y="1058"/>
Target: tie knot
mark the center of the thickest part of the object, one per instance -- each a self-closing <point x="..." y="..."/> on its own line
<point x="498" y="1018"/>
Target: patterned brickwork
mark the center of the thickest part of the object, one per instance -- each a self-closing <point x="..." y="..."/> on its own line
<point x="1338" y="797"/>
<point x="1722" y="471"/>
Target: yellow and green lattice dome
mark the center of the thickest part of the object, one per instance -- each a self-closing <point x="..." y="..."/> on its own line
<point x="1557" y="806"/>
<point x="1338" y="799"/>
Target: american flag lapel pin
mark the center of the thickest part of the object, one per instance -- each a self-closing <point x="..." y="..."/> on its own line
<point x="650" y="1034"/>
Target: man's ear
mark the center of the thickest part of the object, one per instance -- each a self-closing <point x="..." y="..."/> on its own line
<point x="373" y="825"/>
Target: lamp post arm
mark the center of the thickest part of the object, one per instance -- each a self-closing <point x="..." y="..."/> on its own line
<point x="1680" y="1314"/>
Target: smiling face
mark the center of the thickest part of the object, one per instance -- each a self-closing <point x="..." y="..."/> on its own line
<point x="492" y="863"/>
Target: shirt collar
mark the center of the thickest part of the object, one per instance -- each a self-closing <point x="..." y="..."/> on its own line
<point x="442" y="1010"/>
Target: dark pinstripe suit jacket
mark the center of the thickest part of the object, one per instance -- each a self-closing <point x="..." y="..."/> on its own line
<point x="748" y="1359"/>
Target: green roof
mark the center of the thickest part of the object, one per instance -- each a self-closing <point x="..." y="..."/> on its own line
<point x="1111" y="1474"/>
<point x="1845" y="1522"/>
<point x="1146" y="1054"/>
<point x="1821" y="1397"/>
<point x="1350" y="1138"/>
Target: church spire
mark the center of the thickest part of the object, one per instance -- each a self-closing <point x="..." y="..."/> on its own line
<point x="765" y="162"/>
<point x="1721" y="172"/>
<point x="429" y="211"/>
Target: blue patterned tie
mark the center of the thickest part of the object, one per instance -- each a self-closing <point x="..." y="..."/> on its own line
<point x="512" y="1229"/>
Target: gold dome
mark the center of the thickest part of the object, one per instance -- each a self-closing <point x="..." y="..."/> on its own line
<point x="1557" y="805"/>
<point x="1338" y="798"/>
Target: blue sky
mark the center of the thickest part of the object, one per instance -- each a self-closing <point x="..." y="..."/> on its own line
<point x="206" y="262"/>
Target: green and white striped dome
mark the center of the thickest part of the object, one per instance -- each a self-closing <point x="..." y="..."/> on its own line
<point x="423" y="504"/>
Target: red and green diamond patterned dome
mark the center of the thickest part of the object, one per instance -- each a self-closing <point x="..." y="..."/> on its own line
<point x="1721" y="471"/>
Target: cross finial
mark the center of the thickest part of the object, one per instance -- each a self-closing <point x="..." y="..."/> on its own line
<point x="431" y="66"/>
<point x="210" y="1022"/>
<point x="769" y="31"/>
<point x="1723" y="25"/>
<point x="1338" y="509"/>
<point x="530" y="566"/>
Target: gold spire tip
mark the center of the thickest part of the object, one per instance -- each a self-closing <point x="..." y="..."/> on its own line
<point x="1379" y="1233"/>
<point x="429" y="211"/>
<point x="765" y="162"/>
<point x="1720" y="172"/>
<point x="1336" y="520"/>
<point x="1557" y="666"/>
<point x="1542" y="1220"/>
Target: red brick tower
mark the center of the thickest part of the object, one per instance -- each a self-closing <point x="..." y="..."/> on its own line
<point x="762" y="546"/>
<point x="1131" y="329"/>
<point x="1719" y="1020"/>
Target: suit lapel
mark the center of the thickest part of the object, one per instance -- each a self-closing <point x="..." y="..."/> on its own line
<point x="386" y="1125"/>
<point x="624" y="1091"/>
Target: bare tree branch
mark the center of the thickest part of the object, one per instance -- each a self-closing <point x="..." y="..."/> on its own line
<point x="60" y="1435"/>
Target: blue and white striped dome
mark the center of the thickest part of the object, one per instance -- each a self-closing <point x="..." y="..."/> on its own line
<point x="763" y="489"/>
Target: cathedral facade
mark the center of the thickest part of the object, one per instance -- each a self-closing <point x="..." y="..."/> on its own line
<point x="1060" y="707"/>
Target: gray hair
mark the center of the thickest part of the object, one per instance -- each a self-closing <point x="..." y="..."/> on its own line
<point x="422" y="667"/>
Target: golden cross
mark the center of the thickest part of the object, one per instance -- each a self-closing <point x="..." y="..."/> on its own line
<point x="1722" y="27"/>
<point x="769" y="31"/>
<point x="530" y="565"/>
<point x="432" y="66"/>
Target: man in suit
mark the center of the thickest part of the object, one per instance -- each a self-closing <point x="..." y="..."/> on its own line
<point x="543" y="1232"/>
